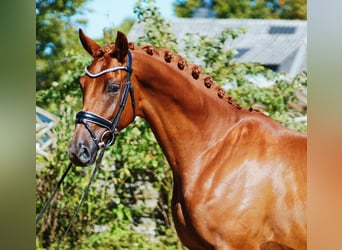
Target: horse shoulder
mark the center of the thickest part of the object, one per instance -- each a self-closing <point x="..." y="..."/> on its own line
<point x="250" y="181"/>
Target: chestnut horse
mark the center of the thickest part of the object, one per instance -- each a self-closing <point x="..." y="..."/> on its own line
<point x="239" y="176"/>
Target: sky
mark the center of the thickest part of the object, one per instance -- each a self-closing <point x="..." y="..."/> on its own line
<point x="109" y="13"/>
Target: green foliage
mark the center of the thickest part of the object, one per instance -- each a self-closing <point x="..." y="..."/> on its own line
<point x="185" y="8"/>
<point x="118" y="201"/>
<point x="274" y="100"/>
<point x="110" y="32"/>
<point x="293" y="9"/>
<point x="66" y="89"/>
<point x="55" y="34"/>
<point x="263" y="9"/>
<point x="243" y="9"/>
<point x="157" y="30"/>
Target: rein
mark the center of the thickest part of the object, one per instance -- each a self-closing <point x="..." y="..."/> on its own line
<point x="53" y="194"/>
<point x="84" y="196"/>
<point x="83" y="117"/>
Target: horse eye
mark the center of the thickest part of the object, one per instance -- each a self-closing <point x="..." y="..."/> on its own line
<point x="113" y="87"/>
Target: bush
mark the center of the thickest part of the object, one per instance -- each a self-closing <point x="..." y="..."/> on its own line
<point x="115" y="201"/>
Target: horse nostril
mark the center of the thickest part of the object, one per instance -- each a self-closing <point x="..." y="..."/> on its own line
<point x="81" y="154"/>
<point x="84" y="154"/>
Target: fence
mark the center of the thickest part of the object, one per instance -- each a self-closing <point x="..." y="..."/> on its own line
<point x="45" y="138"/>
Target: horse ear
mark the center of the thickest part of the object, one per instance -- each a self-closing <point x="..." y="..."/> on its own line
<point x="121" y="46"/>
<point x="88" y="44"/>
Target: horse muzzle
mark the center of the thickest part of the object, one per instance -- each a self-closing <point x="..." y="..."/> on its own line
<point x="82" y="152"/>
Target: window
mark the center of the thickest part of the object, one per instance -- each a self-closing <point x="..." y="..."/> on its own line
<point x="241" y="52"/>
<point x="282" y="30"/>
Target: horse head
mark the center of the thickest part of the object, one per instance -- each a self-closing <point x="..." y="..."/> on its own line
<point x="106" y="88"/>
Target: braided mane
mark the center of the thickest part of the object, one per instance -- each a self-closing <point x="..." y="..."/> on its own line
<point x="193" y="70"/>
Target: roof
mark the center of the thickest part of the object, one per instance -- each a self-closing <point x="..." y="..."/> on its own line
<point x="267" y="41"/>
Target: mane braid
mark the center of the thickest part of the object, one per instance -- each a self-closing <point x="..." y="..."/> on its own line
<point x="193" y="69"/>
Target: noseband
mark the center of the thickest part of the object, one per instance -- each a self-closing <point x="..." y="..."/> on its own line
<point x="84" y="117"/>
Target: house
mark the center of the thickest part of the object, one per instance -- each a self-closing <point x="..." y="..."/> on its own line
<point x="277" y="44"/>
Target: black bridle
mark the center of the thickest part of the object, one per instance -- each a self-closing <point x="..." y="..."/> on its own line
<point x="84" y="117"/>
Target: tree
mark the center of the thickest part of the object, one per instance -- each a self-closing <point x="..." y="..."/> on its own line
<point x="293" y="9"/>
<point x="265" y="9"/>
<point x="157" y="30"/>
<point x="54" y="35"/>
<point x="184" y="8"/>
<point x="242" y="9"/>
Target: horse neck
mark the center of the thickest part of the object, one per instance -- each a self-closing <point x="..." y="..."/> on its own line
<point x="185" y="116"/>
